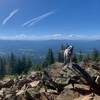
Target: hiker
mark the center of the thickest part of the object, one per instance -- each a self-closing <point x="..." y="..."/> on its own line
<point x="68" y="54"/>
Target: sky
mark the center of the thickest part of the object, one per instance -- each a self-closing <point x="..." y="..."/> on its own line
<point x="49" y="19"/>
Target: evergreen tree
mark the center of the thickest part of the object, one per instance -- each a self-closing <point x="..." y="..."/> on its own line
<point x="50" y="57"/>
<point x="12" y="64"/>
<point x="19" y="66"/>
<point x="80" y="56"/>
<point x="60" y="56"/>
<point x="28" y="65"/>
<point x="95" y="54"/>
<point x="23" y="64"/>
<point x="75" y="60"/>
<point x="61" y="53"/>
<point x="2" y="67"/>
<point x="44" y="64"/>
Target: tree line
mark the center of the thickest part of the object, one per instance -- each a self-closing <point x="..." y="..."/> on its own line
<point x="12" y="64"/>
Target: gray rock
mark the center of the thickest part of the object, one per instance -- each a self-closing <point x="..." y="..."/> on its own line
<point x="68" y="94"/>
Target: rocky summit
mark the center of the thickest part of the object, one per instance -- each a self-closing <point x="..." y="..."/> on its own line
<point x="56" y="84"/>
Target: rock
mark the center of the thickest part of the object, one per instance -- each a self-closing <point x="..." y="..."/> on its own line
<point x="59" y="75"/>
<point x="35" y="76"/>
<point x="82" y="64"/>
<point x="92" y="72"/>
<point x="20" y="77"/>
<point x="32" y="87"/>
<point x="20" y="92"/>
<point x="51" y="91"/>
<point x="48" y="96"/>
<point x="1" y="93"/>
<point x="24" y="87"/>
<point x="22" y="82"/>
<point x="34" y="83"/>
<point x="8" y="84"/>
<point x="68" y="94"/>
<point x="33" y="93"/>
<point x="43" y="96"/>
<point x="28" y="96"/>
<point x="8" y="96"/>
<point x="97" y="80"/>
<point x="87" y="98"/>
<point x="1" y="84"/>
<point x="96" y="65"/>
<point x="21" y="95"/>
<point x="54" y="70"/>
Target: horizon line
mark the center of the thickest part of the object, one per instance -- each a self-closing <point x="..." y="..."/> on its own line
<point x="49" y="40"/>
<point x="49" y="37"/>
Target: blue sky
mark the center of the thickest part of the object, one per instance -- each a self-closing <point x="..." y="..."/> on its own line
<point x="49" y="19"/>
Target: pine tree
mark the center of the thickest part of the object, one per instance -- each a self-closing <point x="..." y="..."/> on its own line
<point x="23" y="64"/>
<point x="60" y="57"/>
<point x="50" y="57"/>
<point x="28" y="65"/>
<point x="12" y="64"/>
<point x="19" y="66"/>
<point x="80" y="57"/>
<point x="75" y="60"/>
<point x="61" y="53"/>
<point x="2" y="67"/>
<point x="44" y="64"/>
<point x="95" y="54"/>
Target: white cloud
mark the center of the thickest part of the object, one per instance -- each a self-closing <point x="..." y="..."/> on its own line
<point x="49" y="37"/>
<point x="84" y="37"/>
<point x="38" y="19"/>
<point x="10" y="16"/>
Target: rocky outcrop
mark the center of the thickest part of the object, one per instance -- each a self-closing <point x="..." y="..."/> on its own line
<point x="58" y="87"/>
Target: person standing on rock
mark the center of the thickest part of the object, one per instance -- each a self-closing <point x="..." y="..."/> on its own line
<point x="68" y="54"/>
